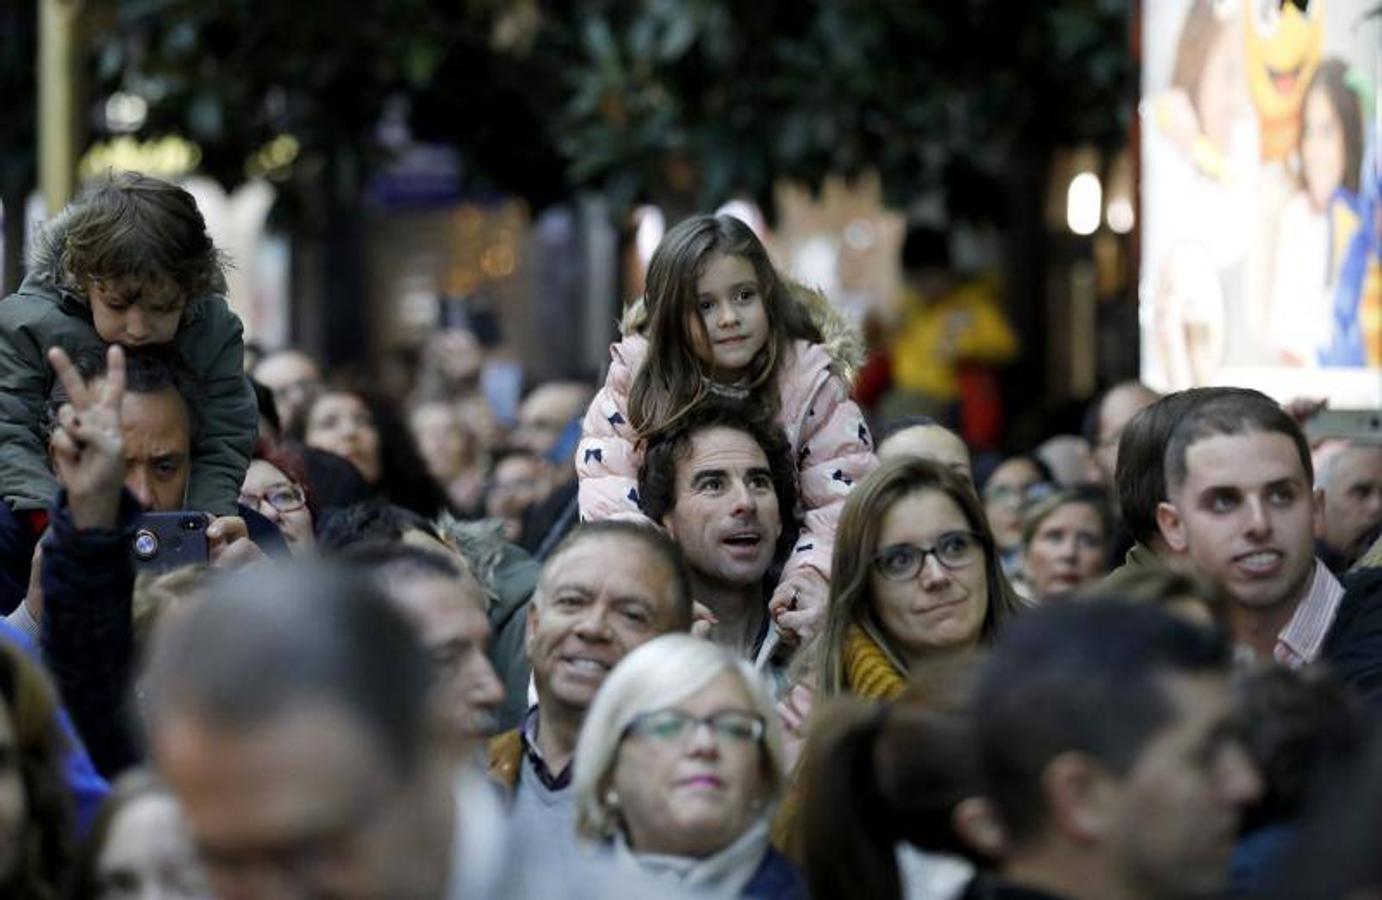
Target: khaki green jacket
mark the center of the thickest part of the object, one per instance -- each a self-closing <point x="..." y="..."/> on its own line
<point x="211" y="343"/>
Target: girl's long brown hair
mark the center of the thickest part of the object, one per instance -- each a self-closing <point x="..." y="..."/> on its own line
<point x="671" y="380"/>
<point x="856" y="542"/>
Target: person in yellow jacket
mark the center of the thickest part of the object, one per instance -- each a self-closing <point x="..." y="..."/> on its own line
<point x="945" y="322"/>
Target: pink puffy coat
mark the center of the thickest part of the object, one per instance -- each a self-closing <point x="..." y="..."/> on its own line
<point x="830" y="441"/>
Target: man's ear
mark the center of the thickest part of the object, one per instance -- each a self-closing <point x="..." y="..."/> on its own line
<point x="1172" y="527"/>
<point x="1318" y="501"/>
<point x="1082" y="798"/>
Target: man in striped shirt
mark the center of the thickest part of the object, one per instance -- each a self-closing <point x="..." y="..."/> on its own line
<point x="1240" y="506"/>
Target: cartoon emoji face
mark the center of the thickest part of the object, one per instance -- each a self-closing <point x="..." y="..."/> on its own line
<point x="1285" y="40"/>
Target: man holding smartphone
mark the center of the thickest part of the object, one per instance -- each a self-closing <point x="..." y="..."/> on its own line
<point x="119" y="446"/>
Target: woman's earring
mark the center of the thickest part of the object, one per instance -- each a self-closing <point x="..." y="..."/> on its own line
<point x="612" y="798"/>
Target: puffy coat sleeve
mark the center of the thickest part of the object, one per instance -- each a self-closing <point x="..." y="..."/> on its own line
<point x="608" y="456"/>
<point x="834" y="450"/>
<point x="26" y="482"/>
<point x="229" y="412"/>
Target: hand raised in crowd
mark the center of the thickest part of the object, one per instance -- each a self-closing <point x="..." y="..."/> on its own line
<point x="87" y="447"/>
<point x="798" y="606"/>
<point x="230" y="544"/>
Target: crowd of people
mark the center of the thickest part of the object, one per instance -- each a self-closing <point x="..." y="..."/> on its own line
<point x="689" y="632"/>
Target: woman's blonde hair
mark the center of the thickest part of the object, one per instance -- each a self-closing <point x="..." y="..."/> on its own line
<point x="672" y="380"/>
<point x="856" y="543"/>
<point x="1088" y="495"/>
<point x="657" y="675"/>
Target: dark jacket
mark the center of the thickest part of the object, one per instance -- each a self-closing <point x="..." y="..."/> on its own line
<point x="776" y="879"/>
<point x="210" y="340"/>
<point x="88" y="630"/>
<point x="1353" y="646"/>
<point x="509" y="576"/>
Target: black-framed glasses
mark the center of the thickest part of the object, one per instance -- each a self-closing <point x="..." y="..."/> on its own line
<point x="675" y="726"/>
<point x="1025" y="495"/>
<point x="285" y="498"/>
<point x="953" y="550"/>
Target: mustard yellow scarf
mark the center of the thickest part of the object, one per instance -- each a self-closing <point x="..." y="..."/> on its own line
<point x="868" y="673"/>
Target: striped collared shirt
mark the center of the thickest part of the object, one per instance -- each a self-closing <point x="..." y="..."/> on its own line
<point x="1303" y="637"/>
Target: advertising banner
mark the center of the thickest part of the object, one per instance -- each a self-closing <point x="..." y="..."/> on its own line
<point x="1261" y="214"/>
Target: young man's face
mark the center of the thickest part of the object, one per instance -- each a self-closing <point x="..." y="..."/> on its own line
<point x="1244" y="517"/>
<point x="1176" y="811"/>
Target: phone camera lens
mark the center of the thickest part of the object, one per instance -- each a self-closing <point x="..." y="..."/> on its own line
<point x="145" y="545"/>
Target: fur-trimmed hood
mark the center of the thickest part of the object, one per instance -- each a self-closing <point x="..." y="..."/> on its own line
<point x="841" y="340"/>
<point x="48" y="273"/>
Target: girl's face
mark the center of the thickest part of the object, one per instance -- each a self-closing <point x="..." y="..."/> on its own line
<point x="147" y="853"/>
<point x="270" y="492"/>
<point x="1068" y="550"/>
<point x="692" y="790"/>
<point x="1321" y="148"/>
<point x="342" y="424"/>
<point x="135" y="312"/>
<point x="941" y="607"/>
<point x="729" y="304"/>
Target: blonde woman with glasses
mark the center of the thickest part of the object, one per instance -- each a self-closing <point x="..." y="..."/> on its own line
<point x="679" y="768"/>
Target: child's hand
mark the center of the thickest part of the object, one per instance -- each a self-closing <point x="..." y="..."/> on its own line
<point x="798" y="605"/>
<point x="87" y="447"/>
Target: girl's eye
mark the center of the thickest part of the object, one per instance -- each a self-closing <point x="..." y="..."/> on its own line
<point x="707" y="305"/>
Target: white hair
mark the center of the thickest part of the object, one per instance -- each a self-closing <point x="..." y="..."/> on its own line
<point x="656" y="675"/>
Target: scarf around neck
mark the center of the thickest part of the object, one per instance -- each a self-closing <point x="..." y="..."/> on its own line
<point x="868" y="673"/>
<point x="726" y="873"/>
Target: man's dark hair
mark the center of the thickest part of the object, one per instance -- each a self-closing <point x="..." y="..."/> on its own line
<point x="658" y="545"/>
<point x="1233" y="411"/>
<point x="269" y="641"/>
<point x="657" y="476"/>
<point x="1140" y="476"/>
<point x="148" y="370"/>
<point x="1083" y="677"/>
<point x="368" y="522"/>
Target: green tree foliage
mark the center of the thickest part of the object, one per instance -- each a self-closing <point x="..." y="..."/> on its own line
<point x="682" y="101"/>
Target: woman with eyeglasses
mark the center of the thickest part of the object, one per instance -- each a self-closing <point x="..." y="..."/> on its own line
<point x="275" y="486"/>
<point x="1017" y="483"/>
<point x="916" y="576"/>
<point x="679" y="767"/>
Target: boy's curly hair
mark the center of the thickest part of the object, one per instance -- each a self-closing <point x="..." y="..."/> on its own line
<point x="128" y="224"/>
